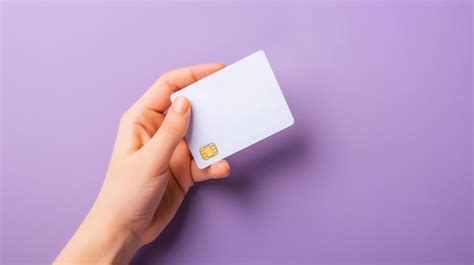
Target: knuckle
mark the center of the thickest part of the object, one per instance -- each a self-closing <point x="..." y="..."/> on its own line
<point x="132" y="117"/>
<point x="163" y="78"/>
<point x="139" y="117"/>
<point x="125" y="117"/>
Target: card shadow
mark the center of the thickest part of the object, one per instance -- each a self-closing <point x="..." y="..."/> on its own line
<point x="251" y="168"/>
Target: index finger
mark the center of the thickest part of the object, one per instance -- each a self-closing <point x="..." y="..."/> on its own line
<point x="157" y="97"/>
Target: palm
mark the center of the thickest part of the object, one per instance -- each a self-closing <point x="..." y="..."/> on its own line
<point x="177" y="179"/>
<point x="163" y="188"/>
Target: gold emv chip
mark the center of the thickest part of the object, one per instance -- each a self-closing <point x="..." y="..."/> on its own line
<point x="208" y="151"/>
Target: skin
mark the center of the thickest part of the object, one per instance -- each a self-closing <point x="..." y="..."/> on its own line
<point x="150" y="172"/>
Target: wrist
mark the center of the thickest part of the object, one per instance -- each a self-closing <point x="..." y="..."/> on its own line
<point x="113" y="244"/>
<point x="100" y="241"/>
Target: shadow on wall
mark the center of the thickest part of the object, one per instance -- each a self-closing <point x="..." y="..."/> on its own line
<point x="251" y="168"/>
<point x="255" y="166"/>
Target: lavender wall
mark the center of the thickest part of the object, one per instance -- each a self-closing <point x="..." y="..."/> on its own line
<point x="376" y="170"/>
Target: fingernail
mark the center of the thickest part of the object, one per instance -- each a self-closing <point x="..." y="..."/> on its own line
<point x="180" y="105"/>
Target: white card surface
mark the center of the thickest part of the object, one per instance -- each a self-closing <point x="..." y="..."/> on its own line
<point x="234" y="108"/>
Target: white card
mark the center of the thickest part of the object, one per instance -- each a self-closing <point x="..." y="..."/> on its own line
<point x="234" y="108"/>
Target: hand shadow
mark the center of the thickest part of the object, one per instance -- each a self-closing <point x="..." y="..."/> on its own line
<point x="251" y="168"/>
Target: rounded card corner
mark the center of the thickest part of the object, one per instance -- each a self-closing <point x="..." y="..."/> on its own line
<point x="292" y="121"/>
<point x="261" y="52"/>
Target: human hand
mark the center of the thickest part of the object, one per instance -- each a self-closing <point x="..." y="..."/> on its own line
<point x="149" y="174"/>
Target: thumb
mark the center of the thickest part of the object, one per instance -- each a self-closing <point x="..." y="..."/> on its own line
<point x="161" y="146"/>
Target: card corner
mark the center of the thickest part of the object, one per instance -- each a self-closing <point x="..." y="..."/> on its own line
<point x="261" y="52"/>
<point x="292" y="121"/>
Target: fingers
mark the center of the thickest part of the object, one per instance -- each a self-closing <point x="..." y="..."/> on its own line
<point x="220" y="169"/>
<point x="180" y="166"/>
<point x="158" y="95"/>
<point x="161" y="146"/>
<point x="186" y="171"/>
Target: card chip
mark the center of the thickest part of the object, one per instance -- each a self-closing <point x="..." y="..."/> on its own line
<point x="208" y="151"/>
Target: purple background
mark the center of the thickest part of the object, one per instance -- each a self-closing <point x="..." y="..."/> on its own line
<point x="377" y="168"/>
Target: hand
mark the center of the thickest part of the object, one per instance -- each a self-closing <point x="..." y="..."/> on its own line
<point x="150" y="172"/>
